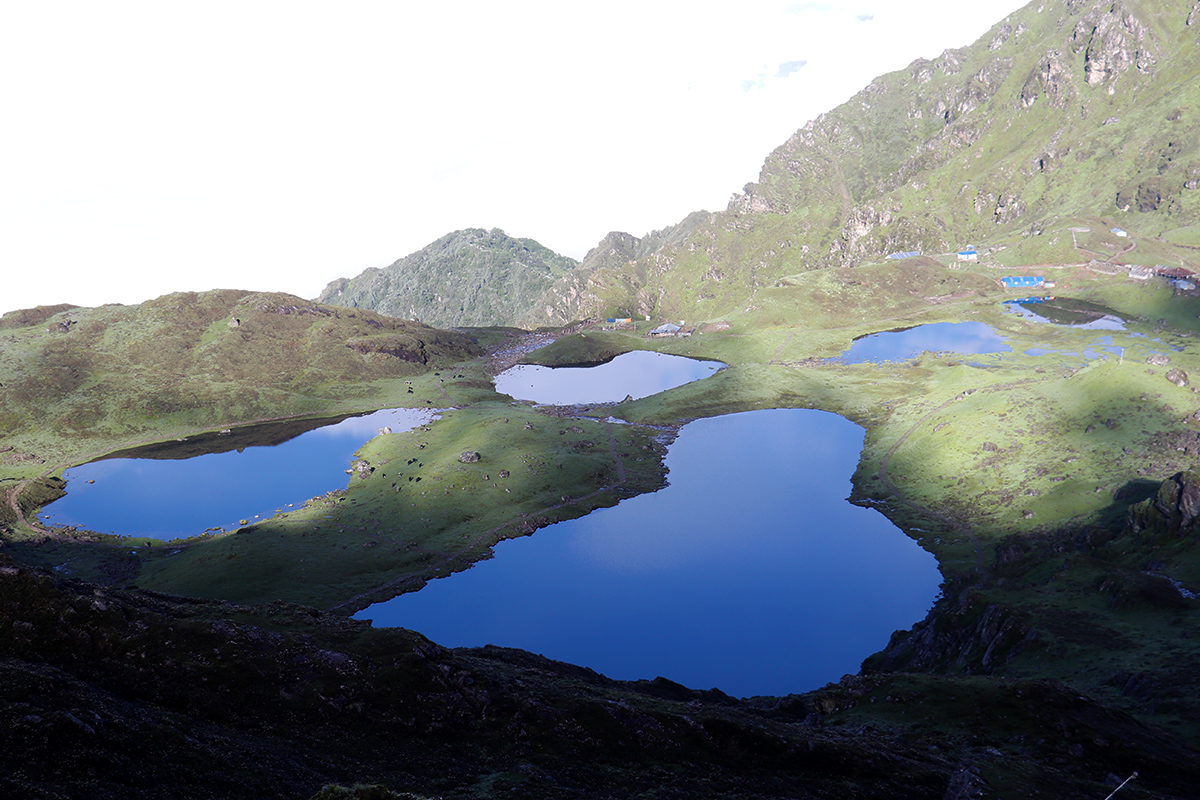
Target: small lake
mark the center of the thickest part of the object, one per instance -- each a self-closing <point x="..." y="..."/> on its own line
<point x="1068" y="312"/>
<point x="750" y="572"/>
<point x="178" y="493"/>
<point x="937" y="337"/>
<point x="639" y="373"/>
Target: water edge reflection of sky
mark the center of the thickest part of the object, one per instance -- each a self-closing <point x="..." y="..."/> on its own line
<point x="638" y="373"/>
<point x="936" y="337"/>
<point x="750" y="572"/>
<point x="169" y="498"/>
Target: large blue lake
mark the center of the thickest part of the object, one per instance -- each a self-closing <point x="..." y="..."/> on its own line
<point x="171" y="497"/>
<point x="750" y="572"/>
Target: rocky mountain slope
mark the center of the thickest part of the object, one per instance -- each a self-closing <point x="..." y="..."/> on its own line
<point x="110" y="693"/>
<point x="1067" y="118"/>
<point x="470" y="277"/>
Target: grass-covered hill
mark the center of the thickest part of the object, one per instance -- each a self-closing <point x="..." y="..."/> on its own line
<point x="470" y="277"/>
<point x="100" y="377"/>
<point x="1069" y="117"/>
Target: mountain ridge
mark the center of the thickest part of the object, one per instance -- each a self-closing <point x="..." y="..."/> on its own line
<point x="980" y="146"/>
<point x="470" y="277"/>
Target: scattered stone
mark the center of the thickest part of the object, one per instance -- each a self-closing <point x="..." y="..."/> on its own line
<point x="1158" y="360"/>
<point x="990" y="447"/>
<point x="1027" y="514"/>
<point x="503" y="473"/>
<point x="1178" y="377"/>
<point x="384" y="430"/>
<point x="469" y="457"/>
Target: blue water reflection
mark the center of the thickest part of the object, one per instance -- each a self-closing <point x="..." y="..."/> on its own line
<point x="639" y="373"/>
<point x="951" y="337"/>
<point x="1067" y="312"/>
<point x="750" y="572"/>
<point x="166" y="499"/>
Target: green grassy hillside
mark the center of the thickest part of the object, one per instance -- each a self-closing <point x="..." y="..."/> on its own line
<point x="75" y="381"/>
<point x="1066" y="119"/>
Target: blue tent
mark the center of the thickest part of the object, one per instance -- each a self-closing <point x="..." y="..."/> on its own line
<point x="1025" y="280"/>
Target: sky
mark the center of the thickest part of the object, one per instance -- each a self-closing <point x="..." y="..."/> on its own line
<point x="152" y="147"/>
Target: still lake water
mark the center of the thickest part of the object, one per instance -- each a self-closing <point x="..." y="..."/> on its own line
<point x="169" y="498"/>
<point x="639" y="373"/>
<point x="166" y="498"/>
<point x="937" y="337"/>
<point x="750" y="572"/>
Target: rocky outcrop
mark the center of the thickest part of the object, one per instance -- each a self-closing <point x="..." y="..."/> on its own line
<point x="1049" y="79"/>
<point x="1113" y="41"/>
<point x="963" y="633"/>
<point x="1173" y="510"/>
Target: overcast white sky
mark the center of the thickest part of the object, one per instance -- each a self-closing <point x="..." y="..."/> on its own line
<point x="159" y="146"/>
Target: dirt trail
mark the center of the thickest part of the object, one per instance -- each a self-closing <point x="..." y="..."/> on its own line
<point x="511" y="351"/>
<point x="11" y="499"/>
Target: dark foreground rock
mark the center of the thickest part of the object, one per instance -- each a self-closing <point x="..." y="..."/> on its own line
<point x="108" y="693"/>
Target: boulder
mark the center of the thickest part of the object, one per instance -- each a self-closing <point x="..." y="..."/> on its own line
<point x="469" y="457"/>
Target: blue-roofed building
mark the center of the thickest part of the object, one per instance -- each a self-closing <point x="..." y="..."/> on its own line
<point x="1014" y="282"/>
<point x="909" y="254"/>
<point x="968" y="253"/>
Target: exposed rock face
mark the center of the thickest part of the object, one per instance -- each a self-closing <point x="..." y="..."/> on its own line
<point x="962" y="634"/>
<point x="1050" y="79"/>
<point x="1172" y="510"/>
<point x="1113" y="41"/>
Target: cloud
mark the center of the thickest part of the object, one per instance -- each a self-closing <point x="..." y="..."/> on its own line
<point x="789" y="67"/>
<point x="800" y="8"/>
<point x="865" y="17"/>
